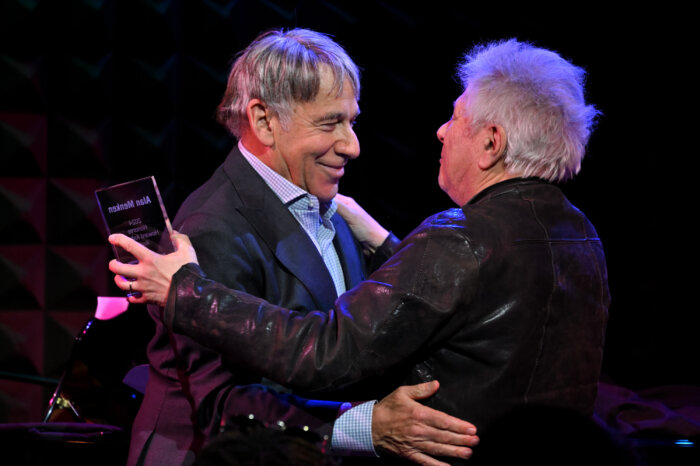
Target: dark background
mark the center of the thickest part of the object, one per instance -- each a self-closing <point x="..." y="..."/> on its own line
<point x="94" y="93"/>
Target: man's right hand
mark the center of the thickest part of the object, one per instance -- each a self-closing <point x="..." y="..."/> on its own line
<point x="406" y="428"/>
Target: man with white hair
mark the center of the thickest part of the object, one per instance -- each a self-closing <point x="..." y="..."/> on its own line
<point x="503" y="300"/>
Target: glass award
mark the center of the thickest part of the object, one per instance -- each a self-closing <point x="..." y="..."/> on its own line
<point x="136" y="210"/>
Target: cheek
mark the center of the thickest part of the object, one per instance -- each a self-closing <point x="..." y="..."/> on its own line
<point x="311" y="169"/>
<point x="314" y="178"/>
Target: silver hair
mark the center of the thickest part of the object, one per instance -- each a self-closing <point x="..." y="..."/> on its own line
<point x="282" y="68"/>
<point x="538" y="98"/>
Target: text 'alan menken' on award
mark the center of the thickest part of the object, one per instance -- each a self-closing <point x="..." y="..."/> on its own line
<point x="136" y="210"/>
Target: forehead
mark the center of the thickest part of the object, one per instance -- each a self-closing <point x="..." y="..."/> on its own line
<point x="460" y="105"/>
<point x="329" y="100"/>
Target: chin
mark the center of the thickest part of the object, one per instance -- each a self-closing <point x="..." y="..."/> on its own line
<point x="326" y="195"/>
<point x="442" y="185"/>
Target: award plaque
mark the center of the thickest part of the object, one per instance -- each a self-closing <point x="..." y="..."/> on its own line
<point x="136" y="210"/>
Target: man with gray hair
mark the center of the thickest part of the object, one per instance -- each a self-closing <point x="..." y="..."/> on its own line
<point x="265" y="223"/>
<point x="503" y="300"/>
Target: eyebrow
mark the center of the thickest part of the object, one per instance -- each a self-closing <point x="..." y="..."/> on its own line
<point x="335" y="116"/>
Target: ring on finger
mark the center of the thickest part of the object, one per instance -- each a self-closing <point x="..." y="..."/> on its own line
<point x="133" y="293"/>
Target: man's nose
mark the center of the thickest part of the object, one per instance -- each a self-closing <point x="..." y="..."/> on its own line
<point x="441" y="132"/>
<point x="349" y="145"/>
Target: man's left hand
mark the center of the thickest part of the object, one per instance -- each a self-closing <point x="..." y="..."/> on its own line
<point x="406" y="428"/>
<point x="365" y="228"/>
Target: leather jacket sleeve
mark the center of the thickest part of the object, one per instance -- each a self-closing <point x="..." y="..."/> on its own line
<point x="407" y="306"/>
<point x="384" y="252"/>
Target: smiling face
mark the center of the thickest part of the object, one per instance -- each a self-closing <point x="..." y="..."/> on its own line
<point x="317" y="142"/>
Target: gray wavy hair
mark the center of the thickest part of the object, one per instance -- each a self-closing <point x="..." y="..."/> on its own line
<point x="538" y="97"/>
<point x="282" y="68"/>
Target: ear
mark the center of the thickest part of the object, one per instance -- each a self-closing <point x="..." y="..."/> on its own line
<point x="495" y="141"/>
<point x="259" y="122"/>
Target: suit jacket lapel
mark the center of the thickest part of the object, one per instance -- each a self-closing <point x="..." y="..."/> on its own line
<point x="280" y="230"/>
<point x="349" y="252"/>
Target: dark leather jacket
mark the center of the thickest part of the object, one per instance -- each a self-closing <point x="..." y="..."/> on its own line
<point x="504" y="301"/>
